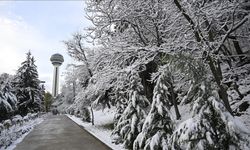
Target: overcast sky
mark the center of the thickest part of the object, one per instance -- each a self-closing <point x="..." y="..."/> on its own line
<point x="38" y="26"/>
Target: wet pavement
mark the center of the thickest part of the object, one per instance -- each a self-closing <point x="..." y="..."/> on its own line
<point x="60" y="133"/>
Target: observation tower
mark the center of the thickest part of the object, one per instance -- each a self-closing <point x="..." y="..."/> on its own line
<point x="56" y="60"/>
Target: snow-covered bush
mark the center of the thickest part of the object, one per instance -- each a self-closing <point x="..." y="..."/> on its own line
<point x="85" y="114"/>
<point x="33" y="115"/>
<point x="26" y="118"/>
<point x="77" y="113"/>
<point x="8" y="101"/>
<point x="17" y="120"/>
<point x="1" y="126"/>
<point x="7" y="124"/>
<point x="11" y="132"/>
<point x="29" y="115"/>
<point x="70" y="111"/>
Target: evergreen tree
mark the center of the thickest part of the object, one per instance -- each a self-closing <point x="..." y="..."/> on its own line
<point x="47" y="101"/>
<point x="158" y="125"/>
<point x="27" y="86"/>
<point x="121" y="105"/>
<point x="211" y="126"/>
<point x="41" y="97"/>
<point x="121" y="95"/>
<point x="130" y="123"/>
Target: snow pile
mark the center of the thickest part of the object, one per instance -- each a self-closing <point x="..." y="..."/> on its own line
<point x="13" y="131"/>
<point x="102" y="128"/>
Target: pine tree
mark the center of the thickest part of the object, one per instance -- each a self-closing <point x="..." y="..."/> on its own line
<point x="121" y="105"/>
<point x="27" y="86"/>
<point x="158" y="125"/>
<point x="130" y="123"/>
<point x="121" y="95"/>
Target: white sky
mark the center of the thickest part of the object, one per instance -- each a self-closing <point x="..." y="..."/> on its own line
<point x="38" y="26"/>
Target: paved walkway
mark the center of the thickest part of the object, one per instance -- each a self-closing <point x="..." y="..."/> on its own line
<point x="60" y="133"/>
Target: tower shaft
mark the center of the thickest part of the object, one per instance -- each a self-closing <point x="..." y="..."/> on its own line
<point x="55" y="81"/>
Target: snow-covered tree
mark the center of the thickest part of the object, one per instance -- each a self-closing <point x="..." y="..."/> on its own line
<point x="136" y="23"/>
<point x="211" y="125"/>
<point x="198" y="40"/>
<point x="121" y="96"/>
<point x="70" y="88"/>
<point x="211" y="24"/>
<point x="47" y="101"/>
<point x="158" y="125"/>
<point x="8" y="100"/>
<point x="130" y="123"/>
<point x="77" y="51"/>
<point x="198" y="27"/>
<point x="187" y="70"/>
<point x="27" y="87"/>
<point x="41" y="97"/>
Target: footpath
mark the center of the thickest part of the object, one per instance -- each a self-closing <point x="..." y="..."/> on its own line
<point x="58" y="132"/>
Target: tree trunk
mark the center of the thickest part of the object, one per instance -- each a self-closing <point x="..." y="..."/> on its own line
<point x="218" y="78"/>
<point x="145" y="79"/>
<point x="173" y="97"/>
<point x="92" y="116"/>
<point x="190" y="21"/>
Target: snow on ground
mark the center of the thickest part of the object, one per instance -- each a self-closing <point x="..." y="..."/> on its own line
<point x="16" y="133"/>
<point x="102" y="128"/>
